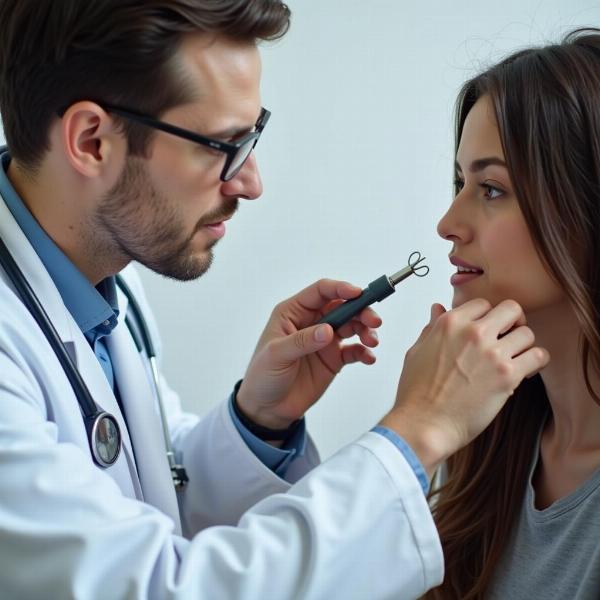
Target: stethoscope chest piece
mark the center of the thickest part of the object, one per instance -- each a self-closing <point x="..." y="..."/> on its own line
<point x="104" y="436"/>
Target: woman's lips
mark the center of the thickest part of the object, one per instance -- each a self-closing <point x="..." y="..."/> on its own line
<point x="464" y="277"/>
<point x="465" y="271"/>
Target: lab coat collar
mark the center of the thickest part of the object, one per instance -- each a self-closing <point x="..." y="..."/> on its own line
<point x="123" y="471"/>
<point x="134" y="379"/>
<point x="152" y="480"/>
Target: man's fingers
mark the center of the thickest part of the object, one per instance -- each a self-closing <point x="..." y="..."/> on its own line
<point x="312" y="339"/>
<point x="357" y="353"/>
<point x="317" y="295"/>
<point x="531" y="362"/>
<point x="367" y="335"/>
<point x="306" y="341"/>
<point x="369" y="317"/>
<point x="473" y="309"/>
<point x="437" y="310"/>
<point x="517" y="341"/>
<point x="504" y="316"/>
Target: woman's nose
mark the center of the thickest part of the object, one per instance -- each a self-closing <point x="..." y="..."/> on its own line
<point x="454" y="225"/>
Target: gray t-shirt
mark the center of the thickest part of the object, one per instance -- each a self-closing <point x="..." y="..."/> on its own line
<point x="555" y="552"/>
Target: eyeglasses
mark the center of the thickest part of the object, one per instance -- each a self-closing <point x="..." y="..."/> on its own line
<point x="237" y="151"/>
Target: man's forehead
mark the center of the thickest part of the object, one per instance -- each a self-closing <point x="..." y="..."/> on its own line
<point x="222" y="81"/>
<point x="217" y="64"/>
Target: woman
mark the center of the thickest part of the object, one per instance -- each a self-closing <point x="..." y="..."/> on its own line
<point x="519" y="513"/>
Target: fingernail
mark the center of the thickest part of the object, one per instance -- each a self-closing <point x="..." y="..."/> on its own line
<point x="321" y="333"/>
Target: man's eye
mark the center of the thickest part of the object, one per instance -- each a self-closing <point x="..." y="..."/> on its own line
<point x="201" y="149"/>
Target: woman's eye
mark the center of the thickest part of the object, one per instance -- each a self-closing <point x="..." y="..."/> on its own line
<point x="492" y="192"/>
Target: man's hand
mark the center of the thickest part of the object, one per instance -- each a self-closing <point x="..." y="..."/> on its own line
<point x="465" y="365"/>
<point x="295" y="360"/>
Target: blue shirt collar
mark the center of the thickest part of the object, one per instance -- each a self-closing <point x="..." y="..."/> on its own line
<point x="95" y="310"/>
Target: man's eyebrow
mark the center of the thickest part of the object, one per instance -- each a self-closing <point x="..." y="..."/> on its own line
<point x="482" y="163"/>
<point x="227" y="133"/>
<point x="230" y="133"/>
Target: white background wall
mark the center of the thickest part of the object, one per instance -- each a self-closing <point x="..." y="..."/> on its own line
<point x="356" y="163"/>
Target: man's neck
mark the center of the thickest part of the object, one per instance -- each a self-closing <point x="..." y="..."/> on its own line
<point x="62" y="218"/>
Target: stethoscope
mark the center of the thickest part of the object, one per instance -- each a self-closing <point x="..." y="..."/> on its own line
<point x="103" y="432"/>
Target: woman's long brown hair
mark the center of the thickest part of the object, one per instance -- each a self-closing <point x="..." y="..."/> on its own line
<point x="547" y="105"/>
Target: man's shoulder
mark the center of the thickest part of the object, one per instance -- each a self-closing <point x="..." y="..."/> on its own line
<point x="17" y="325"/>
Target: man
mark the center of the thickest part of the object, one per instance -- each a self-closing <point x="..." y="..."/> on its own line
<point x="130" y="126"/>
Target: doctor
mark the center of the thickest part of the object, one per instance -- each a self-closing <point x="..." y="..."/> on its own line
<point x="130" y="126"/>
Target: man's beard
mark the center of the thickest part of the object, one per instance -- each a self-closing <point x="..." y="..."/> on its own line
<point x="142" y="225"/>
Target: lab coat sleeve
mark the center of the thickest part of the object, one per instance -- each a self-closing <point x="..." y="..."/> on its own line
<point x="356" y="527"/>
<point x="226" y="477"/>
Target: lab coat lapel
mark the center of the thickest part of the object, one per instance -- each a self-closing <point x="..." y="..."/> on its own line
<point x="123" y="471"/>
<point x="139" y="403"/>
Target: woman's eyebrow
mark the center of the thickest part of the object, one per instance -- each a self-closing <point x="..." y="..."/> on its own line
<point x="482" y="163"/>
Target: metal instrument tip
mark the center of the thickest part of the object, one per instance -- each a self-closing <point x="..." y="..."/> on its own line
<point x="414" y="268"/>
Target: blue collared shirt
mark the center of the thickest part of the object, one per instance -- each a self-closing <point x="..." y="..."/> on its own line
<point x="95" y="311"/>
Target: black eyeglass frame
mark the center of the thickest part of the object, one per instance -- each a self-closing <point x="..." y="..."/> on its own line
<point x="231" y="149"/>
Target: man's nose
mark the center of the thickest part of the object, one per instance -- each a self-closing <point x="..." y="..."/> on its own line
<point x="246" y="183"/>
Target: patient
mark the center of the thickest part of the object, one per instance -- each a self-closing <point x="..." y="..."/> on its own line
<point x="519" y="514"/>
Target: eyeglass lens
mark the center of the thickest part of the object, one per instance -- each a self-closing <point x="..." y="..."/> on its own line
<point x="240" y="158"/>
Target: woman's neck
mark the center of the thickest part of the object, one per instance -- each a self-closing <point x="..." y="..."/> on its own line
<point x="570" y="445"/>
<point x="575" y="414"/>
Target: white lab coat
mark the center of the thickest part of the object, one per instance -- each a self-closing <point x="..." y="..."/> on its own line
<point x="356" y="527"/>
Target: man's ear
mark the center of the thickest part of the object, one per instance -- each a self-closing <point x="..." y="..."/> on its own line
<point x="91" y="141"/>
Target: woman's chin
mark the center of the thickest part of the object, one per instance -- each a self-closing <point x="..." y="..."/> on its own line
<point x="460" y="297"/>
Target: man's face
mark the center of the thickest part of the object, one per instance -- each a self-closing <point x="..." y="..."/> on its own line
<point x="167" y="211"/>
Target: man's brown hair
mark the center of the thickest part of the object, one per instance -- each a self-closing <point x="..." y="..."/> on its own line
<point x="120" y="52"/>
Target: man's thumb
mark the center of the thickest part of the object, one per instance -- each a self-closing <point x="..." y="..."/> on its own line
<point x="305" y="342"/>
<point x="437" y="310"/>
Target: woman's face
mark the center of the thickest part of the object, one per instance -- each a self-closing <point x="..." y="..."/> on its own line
<point x="486" y="226"/>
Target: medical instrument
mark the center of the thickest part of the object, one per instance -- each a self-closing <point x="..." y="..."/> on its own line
<point x="376" y="291"/>
<point x="104" y="435"/>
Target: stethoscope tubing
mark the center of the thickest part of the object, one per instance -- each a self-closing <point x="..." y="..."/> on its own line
<point x="147" y="344"/>
<point x="93" y="417"/>
<point x="104" y="435"/>
<point x="28" y="297"/>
